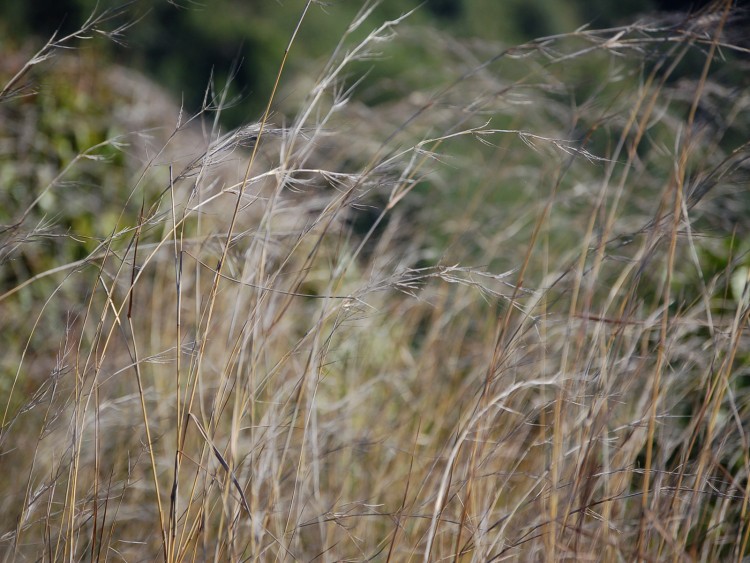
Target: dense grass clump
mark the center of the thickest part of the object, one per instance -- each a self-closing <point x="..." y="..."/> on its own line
<point x="493" y="308"/>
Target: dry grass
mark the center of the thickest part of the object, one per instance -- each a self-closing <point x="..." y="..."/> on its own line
<point x="498" y="318"/>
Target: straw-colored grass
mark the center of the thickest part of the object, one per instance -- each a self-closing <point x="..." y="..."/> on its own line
<point x="500" y="317"/>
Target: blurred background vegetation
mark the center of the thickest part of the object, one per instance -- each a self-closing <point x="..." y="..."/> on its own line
<point x="182" y="44"/>
<point x="187" y="46"/>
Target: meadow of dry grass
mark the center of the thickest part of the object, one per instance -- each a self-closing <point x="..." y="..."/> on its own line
<point x="499" y="315"/>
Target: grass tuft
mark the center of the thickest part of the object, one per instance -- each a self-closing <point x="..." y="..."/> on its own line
<point x="499" y="316"/>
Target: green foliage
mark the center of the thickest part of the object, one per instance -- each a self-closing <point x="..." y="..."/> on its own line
<point x="189" y="46"/>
